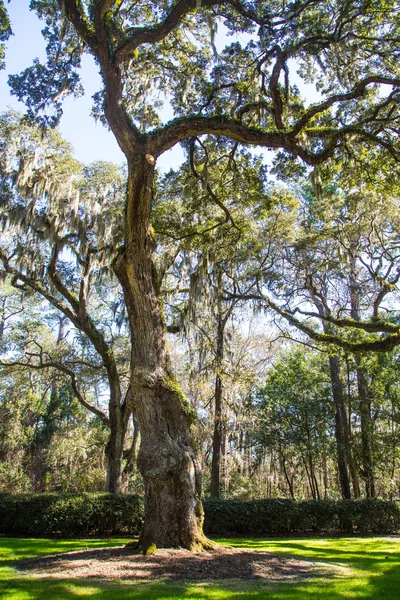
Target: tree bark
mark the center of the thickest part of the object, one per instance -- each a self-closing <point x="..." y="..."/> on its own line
<point x="168" y="460"/>
<point x="218" y="416"/>
<point x="363" y="395"/>
<point x="341" y="433"/>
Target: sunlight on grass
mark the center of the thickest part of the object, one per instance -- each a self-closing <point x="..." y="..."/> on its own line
<point x="372" y="571"/>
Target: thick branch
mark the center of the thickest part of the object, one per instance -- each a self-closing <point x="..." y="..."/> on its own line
<point x="155" y="33"/>
<point x="76" y="14"/>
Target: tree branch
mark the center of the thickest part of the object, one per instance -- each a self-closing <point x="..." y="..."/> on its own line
<point x="63" y="369"/>
<point x="155" y="33"/>
<point x="76" y="14"/>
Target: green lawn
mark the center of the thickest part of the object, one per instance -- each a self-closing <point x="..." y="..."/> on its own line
<point x="372" y="572"/>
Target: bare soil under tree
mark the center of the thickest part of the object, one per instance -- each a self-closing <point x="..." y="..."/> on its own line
<point x="167" y="564"/>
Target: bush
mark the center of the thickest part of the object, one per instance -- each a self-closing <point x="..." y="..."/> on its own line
<point x="368" y="516"/>
<point x="263" y="517"/>
<point x="104" y="514"/>
<point x="70" y="514"/>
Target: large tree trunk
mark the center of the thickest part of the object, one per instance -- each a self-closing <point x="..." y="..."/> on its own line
<point x="167" y="460"/>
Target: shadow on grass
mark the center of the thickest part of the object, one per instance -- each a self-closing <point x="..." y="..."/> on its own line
<point x="372" y="555"/>
<point x="168" y="565"/>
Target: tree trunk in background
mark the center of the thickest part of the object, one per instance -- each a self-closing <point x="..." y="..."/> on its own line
<point x="352" y="461"/>
<point x="341" y="433"/>
<point x="119" y="417"/>
<point x="168" y="460"/>
<point x="366" y="431"/>
<point x="44" y="436"/>
<point x="366" y="423"/>
<point x="343" y="450"/>
<point x="218" y="416"/>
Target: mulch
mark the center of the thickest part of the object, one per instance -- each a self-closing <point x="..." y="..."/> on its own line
<point x="166" y="564"/>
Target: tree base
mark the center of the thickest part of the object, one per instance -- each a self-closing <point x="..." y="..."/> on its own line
<point x="202" y="544"/>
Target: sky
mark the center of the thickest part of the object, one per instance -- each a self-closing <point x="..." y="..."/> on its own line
<point x="91" y="141"/>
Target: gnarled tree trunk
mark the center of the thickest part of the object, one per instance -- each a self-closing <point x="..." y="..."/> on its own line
<point x="167" y="458"/>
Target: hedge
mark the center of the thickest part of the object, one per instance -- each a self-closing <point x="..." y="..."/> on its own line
<point x="263" y="517"/>
<point x="106" y="514"/>
<point x="70" y="514"/>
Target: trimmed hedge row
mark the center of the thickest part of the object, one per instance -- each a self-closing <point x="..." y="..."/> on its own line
<point x="70" y="514"/>
<point x="261" y="517"/>
<point x="83" y="514"/>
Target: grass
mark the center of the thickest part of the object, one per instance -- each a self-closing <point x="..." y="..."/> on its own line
<point x="372" y="571"/>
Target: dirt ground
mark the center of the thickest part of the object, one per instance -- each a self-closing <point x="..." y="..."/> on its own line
<point x="222" y="563"/>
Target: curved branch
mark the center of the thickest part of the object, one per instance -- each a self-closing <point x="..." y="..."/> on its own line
<point x="384" y="344"/>
<point x="52" y="365"/>
<point x="356" y="92"/>
<point x="155" y="33"/>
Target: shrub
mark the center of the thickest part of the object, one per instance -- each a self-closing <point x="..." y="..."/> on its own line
<point x="102" y="514"/>
<point x="70" y="514"/>
<point x="368" y="516"/>
<point x="264" y="517"/>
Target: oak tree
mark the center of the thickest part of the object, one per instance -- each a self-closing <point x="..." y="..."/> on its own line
<point x="246" y="92"/>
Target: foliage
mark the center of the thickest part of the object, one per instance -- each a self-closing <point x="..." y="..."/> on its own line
<point x="5" y="31"/>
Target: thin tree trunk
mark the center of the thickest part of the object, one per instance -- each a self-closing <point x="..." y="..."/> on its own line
<point x="168" y="460"/>
<point x="341" y="433"/>
<point x="289" y="480"/>
<point x="218" y="416"/>
<point x="115" y="446"/>
<point x="363" y="396"/>
<point x="366" y="431"/>
<point x="343" y="450"/>
<point x="352" y="461"/>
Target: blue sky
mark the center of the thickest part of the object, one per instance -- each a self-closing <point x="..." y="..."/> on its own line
<point x="91" y="141"/>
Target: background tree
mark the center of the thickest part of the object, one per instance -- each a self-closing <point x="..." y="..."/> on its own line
<point x="297" y="418"/>
<point x="63" y="222"/>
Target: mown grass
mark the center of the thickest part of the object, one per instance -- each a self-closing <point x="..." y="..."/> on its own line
<point x="372" y="571"/>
